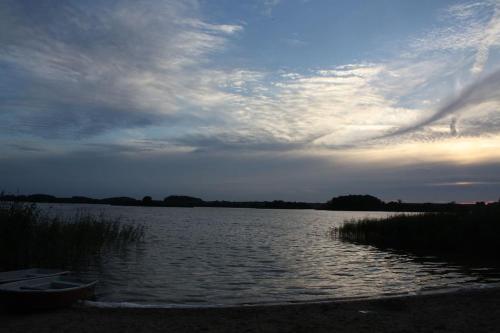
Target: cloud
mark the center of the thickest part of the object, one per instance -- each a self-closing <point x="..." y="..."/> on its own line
<point x="471" y="26"/>
<point x="269" y="6"/>
<point x="296" y="111"/>
<point x="85" y="70"/>
<point x="489" y="36"/>
<point x="150" y="72"/>
<point x="482" y="91"/>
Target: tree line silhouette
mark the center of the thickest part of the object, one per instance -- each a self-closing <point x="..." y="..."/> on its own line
<point x="344" y="203"/>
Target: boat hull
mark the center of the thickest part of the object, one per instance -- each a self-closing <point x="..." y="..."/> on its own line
<point x="25" y="300"/>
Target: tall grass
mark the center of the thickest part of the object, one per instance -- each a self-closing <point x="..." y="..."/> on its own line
<point x="472" y="233"/>
<point x="29" y="237"/>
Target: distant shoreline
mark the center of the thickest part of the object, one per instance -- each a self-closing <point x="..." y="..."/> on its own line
<point x="341" y="203"/>
<point x="460" y="311"/>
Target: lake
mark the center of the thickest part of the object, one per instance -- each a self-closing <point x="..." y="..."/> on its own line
<point x="227" y="256"/>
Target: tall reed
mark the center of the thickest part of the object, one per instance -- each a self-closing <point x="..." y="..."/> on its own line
<point x="472" y="233"/>
<point x="30" y="237"/>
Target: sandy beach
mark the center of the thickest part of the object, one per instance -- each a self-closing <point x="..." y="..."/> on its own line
<point x="462" y="311"/>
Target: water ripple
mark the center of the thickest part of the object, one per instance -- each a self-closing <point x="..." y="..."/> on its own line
<point x="242" y="256"/>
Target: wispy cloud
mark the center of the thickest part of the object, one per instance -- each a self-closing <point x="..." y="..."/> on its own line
<point x="86" y="70"/>
<point x="481" y="92"/>
<point x="473" y="26"/>
<point x="442" y="75"/>
<point x="269" y="6"/>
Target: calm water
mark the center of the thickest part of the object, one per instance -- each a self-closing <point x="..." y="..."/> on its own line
<point x="217" y="256"/>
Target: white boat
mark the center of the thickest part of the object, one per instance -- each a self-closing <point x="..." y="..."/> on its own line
<point x="44" y="293"/>
<point x="27" y="274"/>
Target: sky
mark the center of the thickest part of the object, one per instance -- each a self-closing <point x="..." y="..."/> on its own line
<point x="297" y="100"/>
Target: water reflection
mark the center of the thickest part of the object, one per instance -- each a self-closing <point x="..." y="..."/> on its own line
<point x="232" y="256"/>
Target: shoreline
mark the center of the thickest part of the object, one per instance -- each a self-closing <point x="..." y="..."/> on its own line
<point x="463" y="310"/>
<point x="425" y="292"/>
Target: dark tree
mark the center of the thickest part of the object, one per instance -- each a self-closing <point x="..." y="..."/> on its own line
<point x="355" y="202"/>
<point x="120" y="201"/>
<point x="183" y="201"/>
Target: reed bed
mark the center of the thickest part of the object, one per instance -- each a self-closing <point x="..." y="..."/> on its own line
<point x="471" y="233"/>
<point x="30" y="237"/>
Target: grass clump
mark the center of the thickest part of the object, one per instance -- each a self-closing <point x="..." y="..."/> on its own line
<point x="29" y="237"/>
<point x="473" y="232"/>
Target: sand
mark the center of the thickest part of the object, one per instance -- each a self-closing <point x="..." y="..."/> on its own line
<point x="463" y="311"/>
